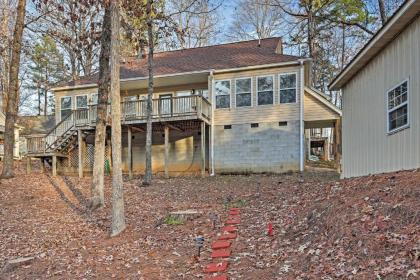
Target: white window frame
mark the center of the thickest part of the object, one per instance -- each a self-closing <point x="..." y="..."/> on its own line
<point x="274" y="81"/>
<point x="388" y="111"/>
<point x="214" y="95"/>
<point x="236" y="91"/>
<point x="296" y="87"/>
<point x="71" y="104"/>
<point x="87" y="101"/>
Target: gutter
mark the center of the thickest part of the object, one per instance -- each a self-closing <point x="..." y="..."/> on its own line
<point x="301" y="116"/>
<point x="212" y="123"/>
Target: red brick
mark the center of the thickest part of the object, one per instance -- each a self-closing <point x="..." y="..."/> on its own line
<point x="227" y="236"/>
<point x="216" y="267"/>
<point x="220" y="244"/>
<point x="220" y="277"/>
<point x="229" y="229"/>
<point x="224" y="253"/>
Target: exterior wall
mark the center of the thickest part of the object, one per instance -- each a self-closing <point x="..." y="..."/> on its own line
<point x="267" y="148"/>
<point x="367" y="148"/>
<point x="263" y="113"/>
<point x="315" y="110"/>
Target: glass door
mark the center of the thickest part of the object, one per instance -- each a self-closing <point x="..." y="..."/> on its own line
<point x="165" y="105"/>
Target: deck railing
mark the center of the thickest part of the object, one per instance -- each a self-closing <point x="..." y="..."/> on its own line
<point x="131" y="111"/>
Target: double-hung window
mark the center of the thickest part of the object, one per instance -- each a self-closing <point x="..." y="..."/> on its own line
<point x="81" y="102"/>
<point x="222" y="93"/>
<point x="66" y="105"/>
<point x="265" y="90"/>
<point x="243" y="92"/>
<point x="288" y="88"/>
<point x="397" y="106"/>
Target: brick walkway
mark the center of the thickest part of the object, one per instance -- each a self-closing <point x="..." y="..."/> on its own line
<point x="221" y="248"/>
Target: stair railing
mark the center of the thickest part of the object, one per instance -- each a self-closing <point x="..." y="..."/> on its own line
<point x="61" y="128"/>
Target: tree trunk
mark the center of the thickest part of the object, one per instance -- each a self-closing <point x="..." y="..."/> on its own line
<point x="148" y="173"/>
<point x="118" y="219"/>
<point x="97" y="188"/>
<point x="382" y="11"/>
<point x="12" y="105"/>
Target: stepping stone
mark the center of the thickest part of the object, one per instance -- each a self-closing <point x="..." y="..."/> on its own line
<point x="220" y="277"/>
<point x="227" y="236"/>
<point x="220" y="244"/>
<point x="233" y="222"/>
<point x="224" y="253"/>
<point x="229" y="229"/>
<point x="234" y="209"/>
<point x="234" y="212"/>
<point x="216" y="267"/>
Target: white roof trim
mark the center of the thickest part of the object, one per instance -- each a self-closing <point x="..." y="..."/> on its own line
<point x="319" y="97"/>
<point x="403" y="16"/>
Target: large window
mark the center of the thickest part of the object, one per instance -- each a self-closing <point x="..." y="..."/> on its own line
<point x="288" y="88"/>
<point x="222" y="90"/>
<point x="243" y="92"/>
<point x="265" y="90"/>
<point x="397" y="105"/>
<point x="66" y="105"/>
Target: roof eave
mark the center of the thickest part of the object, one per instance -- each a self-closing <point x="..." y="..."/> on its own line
<point x="395" y="25"/>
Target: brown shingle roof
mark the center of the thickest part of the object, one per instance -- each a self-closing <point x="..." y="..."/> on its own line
<point x="217" y="57"/>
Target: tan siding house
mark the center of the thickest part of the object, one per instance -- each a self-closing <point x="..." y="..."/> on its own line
<point x="381" y="99"/>
<point x="231" y="108"/>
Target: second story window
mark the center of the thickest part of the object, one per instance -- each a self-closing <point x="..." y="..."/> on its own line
<point x="81" y="102"/>
<point x="243" y="92"/>
<point x="265" y="90"/>
<point x="65" y="106"/>
<point x="94" y="99"/>
<point x="222" y="93"/>
<point x="288" y="88"/>
<point x="398" y="107"/>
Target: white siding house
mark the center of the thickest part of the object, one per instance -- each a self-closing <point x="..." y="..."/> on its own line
<point x="381" y="99"/>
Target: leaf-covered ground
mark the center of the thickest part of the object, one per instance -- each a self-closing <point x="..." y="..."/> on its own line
<point x="363" y="228"/>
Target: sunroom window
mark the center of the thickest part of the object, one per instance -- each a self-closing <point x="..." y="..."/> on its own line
<point x="222" y="90"/>
<point x="288" y="88"/>
<point x="243" y="92"/>
<point x="66" y="104"/>
<point x="398" y="107"/>
<point x="265" y="90"/>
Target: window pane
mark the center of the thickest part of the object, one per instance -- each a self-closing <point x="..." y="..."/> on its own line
<point x="398" y="118"/>
<point x="288" y="96"/>
<point x="243" y="85"/>
<point x="288" y="81"/>
<point x="243" y="99"/>
<point x="66" y="102"/>
<point x="223" y="101"/>
<point x="265" y="83"/>
<point x="222" y="87"/>
<point x="265" y="97"/>
<point x="397" y="96"/>
<point x="65" y="113"/>
<point x="81" y="101"/>
<point x="94" y="99"/>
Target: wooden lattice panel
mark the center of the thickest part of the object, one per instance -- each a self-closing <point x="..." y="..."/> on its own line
<point x="89" y="157"/>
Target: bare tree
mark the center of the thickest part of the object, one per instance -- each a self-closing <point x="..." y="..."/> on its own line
<point x="13" y="92"/>
<point x="148" y="172"/>
<point x="97" y="188"/>
<point x="118" y="218"/>
<point x="255" y="19"/>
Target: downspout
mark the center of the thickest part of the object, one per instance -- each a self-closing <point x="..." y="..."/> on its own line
<point x="301" y="117"/>
<point x="212" y="173"/>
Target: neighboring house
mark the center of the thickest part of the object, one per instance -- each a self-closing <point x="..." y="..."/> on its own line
<point x="231" y="108"/>
<point x="33" y="126"/>
<point x="16" y="147"/>
<point x="381" y="99"/>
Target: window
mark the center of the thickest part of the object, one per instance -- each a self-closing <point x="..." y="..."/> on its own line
<point x="81" y="102"/>
<point x="398" y="107"/>
<point x="265" y="90"/>
<point x="203" y="92"/>
<point x="66" y="104"/>
<point x="94" y="99"/>
<point x="222" y="90"/>
<point x="288" y="88"/>
<point x="243" y="92"/>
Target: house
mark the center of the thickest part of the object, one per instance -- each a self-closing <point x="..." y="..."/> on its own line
<point x="231" y="108"/>
<point x="16" y="147"/>
<point x="381" y="99"/>
<point x="33" y="126"/>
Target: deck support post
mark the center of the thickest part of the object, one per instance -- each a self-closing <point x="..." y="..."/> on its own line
<point x="130" y="153"/>
<point x="203" y="149"/>
<point x="54" y="165"/>
<point x="80" y="146"/>
<point x="337" y="144"/>
<point x="166" y="151"/>
<point x="28" y="165"/>
<point x="43" y="170"/>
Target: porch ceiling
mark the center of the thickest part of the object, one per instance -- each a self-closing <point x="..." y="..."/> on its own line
<point x="166" y="81"/>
